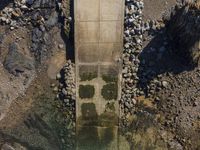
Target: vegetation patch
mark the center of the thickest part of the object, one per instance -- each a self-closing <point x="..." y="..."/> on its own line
<point x="109" y="91"/>
<point x="110" y="78"/>
<point x="86" y="91"/>
<point x="88" y="76"/>
<point x="110" y="106"/>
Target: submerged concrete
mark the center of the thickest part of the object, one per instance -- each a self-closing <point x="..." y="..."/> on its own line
<point x="98" y="44"/>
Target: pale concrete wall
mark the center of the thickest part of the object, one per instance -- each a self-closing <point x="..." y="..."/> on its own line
<point x="98" y="43"/>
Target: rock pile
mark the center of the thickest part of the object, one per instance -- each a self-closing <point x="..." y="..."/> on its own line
<point x="19" y="10"/>
<point x="133" y="38"/>
<point x="40" y="16"/>
<point x="67" y="83"/>
<point x="183" y="27"/>
<point x="10" y="15"/>
<point x="136" y="71"/>
<point x="67" y="95"/>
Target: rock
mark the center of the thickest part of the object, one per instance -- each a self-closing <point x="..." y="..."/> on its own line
<point x="60" y="46"/>
<point x="157" y="99"/>
<point x="58" y="76"/>
<point x="29" y="2"/>
<point x="165" y="84"/>
<point x="16" y="62"/>
<point x="12" y="28"/>
<point x="37" y="35"/>
<point x="64" y="91"/>
<point x="52" y="21"/>
<point x="24" y="7"/>
<point x="134" y="101"/>
<point x="55" y="89"/>
<point x="195" y="104"/>
<point x="66" y="100"/>
<point x="53" y="85"/>
<point x="41" y="45"/>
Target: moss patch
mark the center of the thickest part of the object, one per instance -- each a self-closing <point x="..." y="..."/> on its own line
<point x="109" y="91"/>
<point x="110" y="106"/>
<point x="88" y="76"/>
<point x="109" y="78"/>
<point x="86" y="91"/>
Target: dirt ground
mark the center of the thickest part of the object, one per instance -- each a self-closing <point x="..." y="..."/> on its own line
<point x="179" y="101"/>
<point x="33" y="120"/>
<point x="172" y="120"/>
<point x="37" y="105"/>
<point x="154" y="9"/>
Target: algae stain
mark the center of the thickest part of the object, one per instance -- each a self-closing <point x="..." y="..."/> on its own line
<point x="94" y="131"/>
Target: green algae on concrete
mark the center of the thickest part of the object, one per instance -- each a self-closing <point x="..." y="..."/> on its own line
<point x="98" y="50"/>
<point x="96" y="132"/>
<point x="110" y="78"/>
<point x="109" y="91"/>
<point x="96" y="138"/>
<point x="86" y="91"/>
<point x="89" y="115"/>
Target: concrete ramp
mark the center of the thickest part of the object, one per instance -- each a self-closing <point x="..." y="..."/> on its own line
<point x="98" y="47"/>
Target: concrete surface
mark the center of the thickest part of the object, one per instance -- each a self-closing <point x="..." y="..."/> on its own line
<point x="98" y="45"/>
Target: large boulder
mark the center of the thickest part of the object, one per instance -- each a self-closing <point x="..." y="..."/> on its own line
<point x="16" y="62"/>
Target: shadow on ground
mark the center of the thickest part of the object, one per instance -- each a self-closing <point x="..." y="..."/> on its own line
<point x="158" y="57"/>
<point x="67" y="31"/>
<point x="4" y="3"/>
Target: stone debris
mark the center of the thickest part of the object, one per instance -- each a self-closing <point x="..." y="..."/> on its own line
<point x="141" y="79"/>
<point x="133" y="37"/>
<point x="67" y="95"/>
<point x="43" y="16"/>
<point x="164" y="84"/>
<point x="66" y="87"/>
<point x="134" y="77"/>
